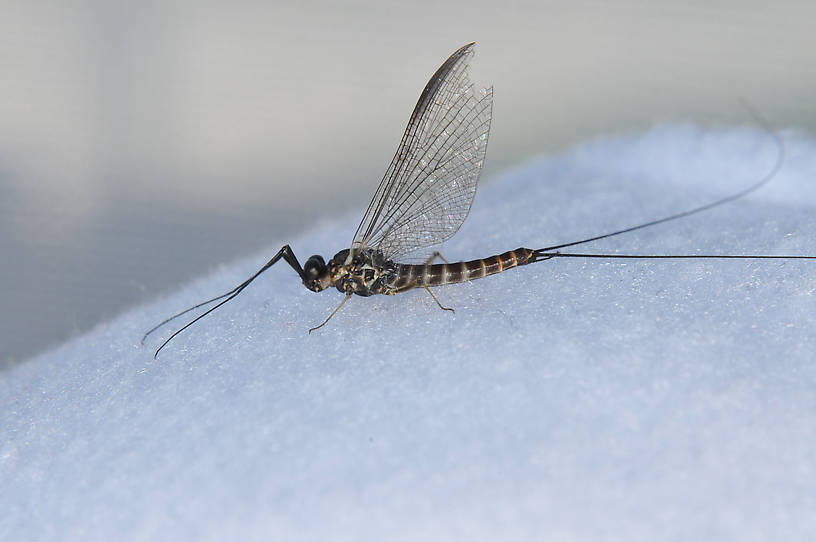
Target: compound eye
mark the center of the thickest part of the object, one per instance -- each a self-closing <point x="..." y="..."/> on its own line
<point x="315" y="266"/>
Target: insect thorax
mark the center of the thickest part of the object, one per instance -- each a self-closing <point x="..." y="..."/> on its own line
<point x="367" y="273"/>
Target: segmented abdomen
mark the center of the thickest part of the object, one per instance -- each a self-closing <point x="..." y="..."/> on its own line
<point x="416" y="276"/>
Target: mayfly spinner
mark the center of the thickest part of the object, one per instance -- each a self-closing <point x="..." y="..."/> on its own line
<point x="423" y="198"/>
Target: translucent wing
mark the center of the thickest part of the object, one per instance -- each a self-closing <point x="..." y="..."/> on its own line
<point x="428" y="189"/>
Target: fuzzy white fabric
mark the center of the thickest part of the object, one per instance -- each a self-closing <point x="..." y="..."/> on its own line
<point x="567" y="400"/>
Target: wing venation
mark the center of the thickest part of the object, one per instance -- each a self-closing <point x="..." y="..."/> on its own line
<point x="427" y="190"/>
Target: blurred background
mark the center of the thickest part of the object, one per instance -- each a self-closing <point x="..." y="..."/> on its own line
<point x="144" y="143"/>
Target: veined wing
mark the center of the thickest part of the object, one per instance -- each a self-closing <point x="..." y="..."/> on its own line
<point x="428" y="189"/>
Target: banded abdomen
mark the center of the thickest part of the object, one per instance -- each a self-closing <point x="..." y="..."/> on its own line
<point x="417" y="276"/>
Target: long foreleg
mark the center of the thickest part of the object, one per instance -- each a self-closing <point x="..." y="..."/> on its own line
<point x="285" y="252"/>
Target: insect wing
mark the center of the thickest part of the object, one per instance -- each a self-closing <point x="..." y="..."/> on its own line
<point x="427" y="191"/>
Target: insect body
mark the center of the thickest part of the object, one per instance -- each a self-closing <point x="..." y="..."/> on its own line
<point x="423" y="199"/>
<point x="370" y="273"/>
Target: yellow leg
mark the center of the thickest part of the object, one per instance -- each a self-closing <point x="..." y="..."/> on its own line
<point x="434" y="256"/>
<point x="335" y="312"/>
<point x="437" y="301"/>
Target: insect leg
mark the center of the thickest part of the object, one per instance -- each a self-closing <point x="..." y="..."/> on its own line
<point x="332" y="314"/>
<point x="437" y="301"/>
<point x="285" y="252"/>
<point x="434" y="256"/>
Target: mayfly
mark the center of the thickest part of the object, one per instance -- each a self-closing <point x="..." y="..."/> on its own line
<point x="423" y="199"/>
